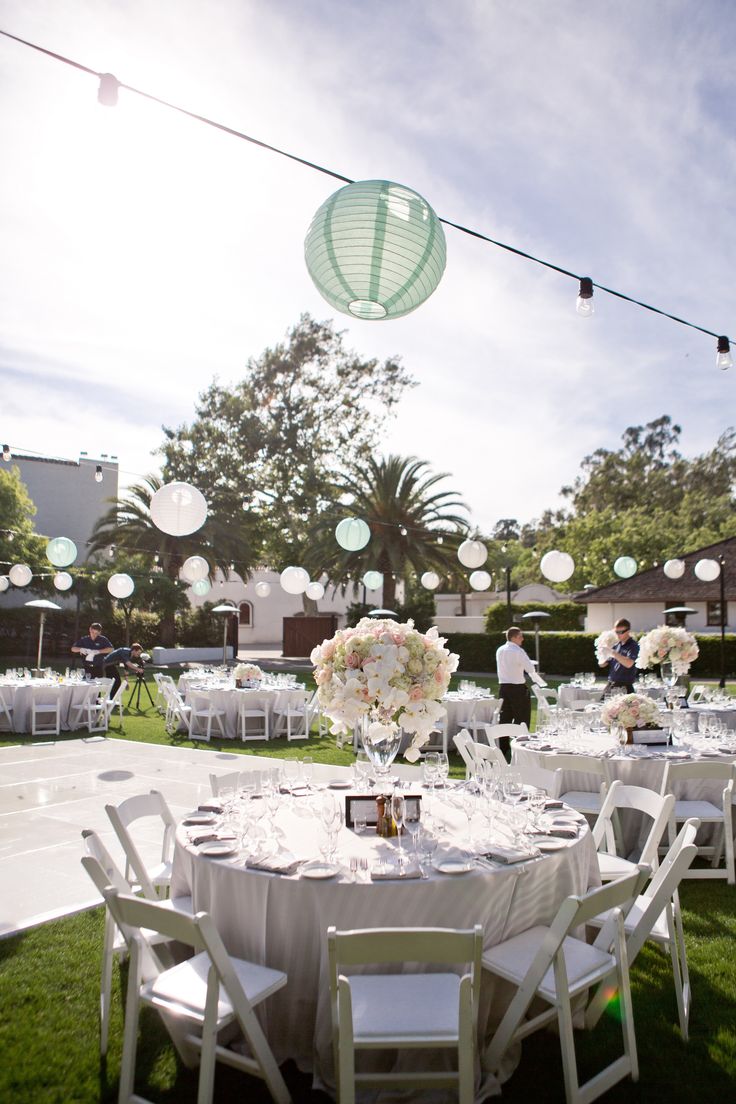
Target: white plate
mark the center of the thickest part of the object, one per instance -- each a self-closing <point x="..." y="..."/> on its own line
<point x="321" y="870"/>
<point x="217" y="849"/>
<point x="339" y="784"/>
<point x="549" y="843"/>
<point x="200" y="818"/>
<point x="454" y="866"/>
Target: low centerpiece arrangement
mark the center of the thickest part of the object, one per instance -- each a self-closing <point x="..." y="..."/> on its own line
<point x="673" y="648"/>
<point x="383" y="677"/>
<point x="247" y="675"/>
<point x="629" y="712"/>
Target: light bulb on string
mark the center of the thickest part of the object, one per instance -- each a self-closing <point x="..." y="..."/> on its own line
<point x="6" y="453"/>
<point x="111" y="551"/>
<point x="98" y="473"/>
<point x="440" y="540"/>
<point x="403" y="530"/>
<point x="724" y="359"/>
<point x="584" y="305"/>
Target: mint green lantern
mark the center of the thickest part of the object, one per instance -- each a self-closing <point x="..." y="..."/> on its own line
<point x="375" y="250"/>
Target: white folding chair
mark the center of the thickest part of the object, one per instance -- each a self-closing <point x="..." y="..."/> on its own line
<point x="45" y="704"/>
<point x="721" y="819"/>
<point x="6" y="710"/>
<point x="219" y="783"/>
<point x="474" y="753"/>
<point x="115" y="702"/>
<point x="209" y="992"/>
<point x="202" y="715"/>
<point x="550" y="963"/>
<point x="542" y="779"/>
<point x="151" y="879"/>
<point x="96" y="716"/>
<point x="587" y="802"/>
<point x="314" y="711"/>
<point x="293" y="717"/>
<point x="655" y="915"/>
<point x="104" y="871"/>
<point x="177" y="712"/>
<point x="619" y="797"/>
<point x="258" y="729"/>
<point x="83" y="696"/>
<point x="496" y="731"/>
<point x="161" y="680"/>
<point x="404" y="1010"/>
<point x="697" y="694"/>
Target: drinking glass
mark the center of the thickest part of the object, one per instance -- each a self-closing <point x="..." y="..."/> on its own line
<point x="412" y="822"/>
<point x="308" y="770"/>
<point x="427" y="845"/>
<point x="443" y="767"/>
<point x="398" y="812"/>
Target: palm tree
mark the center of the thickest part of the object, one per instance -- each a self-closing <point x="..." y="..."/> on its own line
<point x="397" y="497"/>
<point x="128" y="526"/>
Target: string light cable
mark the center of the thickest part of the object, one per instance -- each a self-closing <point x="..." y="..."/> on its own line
<point x="109" y="87"/>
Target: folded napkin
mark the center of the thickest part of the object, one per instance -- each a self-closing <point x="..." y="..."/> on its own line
<point x="562" y="831"/>
<point x="275" y="864"/>
<point x="297" y="791"/>
<point x="196" y="840"/>
<point x="521" y="739"/>
<point x="508" y="855"/>
<point x="553" y="803"/>
<point x="209" y="808"/>
<point x="390" y="873"/>
<point x="543" y="747"/>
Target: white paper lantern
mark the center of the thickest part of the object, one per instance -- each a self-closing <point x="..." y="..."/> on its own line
<point x="674" y="569"/>
<point x="372" y="580"/>
<point x="263" y="589"/>
<point x="178" y="509"/>
<point x="557" y="566"/>
<point x="480" y="580"/>
<point x="352" y="534"/>
<point x="707" y="570"/>
<point x="120" y="586"/>
<point x="472" y="554"/>
<point x="200" y="587"/>
<point x="315" y="591"/>
<point x="63" y="580"/>
<point x="194" y="568"/>
<point x="625" y="567"/>
<point x="4" y="583"/>
<point x="294" y="580"/>
<point x="430" y="580"/>
<point x="20" y="575"/>
<point x="61" y="551"/>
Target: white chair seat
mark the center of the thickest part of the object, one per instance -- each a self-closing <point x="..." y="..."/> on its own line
<point x="185" y="985"/>
<point x="582" y="800"/>
<point x="512" y="959"/>
<point x="612" y="866"/>
<point x="405" y="1006"/>
<point x="160" y="874"/>
<point x="703" y="810"/>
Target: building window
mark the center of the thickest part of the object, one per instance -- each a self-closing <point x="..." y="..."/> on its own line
<point x="245" y="614"/>
<point x="714" y="614"/>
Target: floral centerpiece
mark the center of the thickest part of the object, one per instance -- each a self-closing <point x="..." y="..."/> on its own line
<point x="668" y="645"/>
<point x="603" y="643"/>
<point x="383" y="676"/>
<point x="630" y="711"/>
<point x="247" y="674"/>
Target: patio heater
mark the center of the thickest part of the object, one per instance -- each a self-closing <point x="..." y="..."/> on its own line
<point x="535" y="616"/>
<point x="43" y="605"/>
<point x="224" y="609"/>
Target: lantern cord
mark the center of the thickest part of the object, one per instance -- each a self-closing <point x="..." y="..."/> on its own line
<point x="348" y="180"/>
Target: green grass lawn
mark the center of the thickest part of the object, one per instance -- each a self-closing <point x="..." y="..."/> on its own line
<point x="49" y="997"/>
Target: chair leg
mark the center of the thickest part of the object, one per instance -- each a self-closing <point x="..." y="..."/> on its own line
<point x="130" y="1033"/>
<point x="627" y="1008"/>
<point x="567" y="1048"/>
<point x="466" y="1049"/>
<point x="680" y="971"/>
<point x="208" y="1052"/>
<point x="106" y="981"/>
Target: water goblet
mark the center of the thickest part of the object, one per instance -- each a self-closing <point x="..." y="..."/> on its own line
<point x="412" y="822"/>
<point x="443" y="767"/>
<point x="398" y="812"/>
<point x="427" y="845"/>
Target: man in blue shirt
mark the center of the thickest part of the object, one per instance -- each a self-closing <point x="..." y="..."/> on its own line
<point x="126" y="656"/>
<point x="622" y="671"/>
<point x="92" y="647"/>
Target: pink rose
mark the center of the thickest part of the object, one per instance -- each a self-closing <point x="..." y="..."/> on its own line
<point x="352" y="660"/>
<point x="416" y="693"/>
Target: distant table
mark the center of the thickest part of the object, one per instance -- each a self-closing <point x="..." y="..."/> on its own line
<point x="18" y="693"/>
<point x="228" y="698"/>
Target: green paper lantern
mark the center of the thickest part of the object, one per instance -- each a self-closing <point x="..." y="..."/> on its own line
<point x="352" y="534"/>
<point x="625" y="567"/>
<point x="200" y="587"/>
<point x="61" y="551"/>
<point x="375" y="250"/>
<point x="372" y="580"/>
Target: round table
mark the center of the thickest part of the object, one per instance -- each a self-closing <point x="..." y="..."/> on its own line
<point x="282" y="921"/>
<point x="18" y="693"/>
<point x="460" y="707"/>
<point x="273" y="700"/>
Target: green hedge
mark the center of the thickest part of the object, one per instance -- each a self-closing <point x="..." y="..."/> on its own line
<point x="562" y="616"/>
<point x="565" y="653"/>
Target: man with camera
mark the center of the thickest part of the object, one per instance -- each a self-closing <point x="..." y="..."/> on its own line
<point x="130" y="659"/>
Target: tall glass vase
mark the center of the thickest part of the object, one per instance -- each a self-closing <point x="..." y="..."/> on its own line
<point x="381" y="741"/>
<point x="668" y="675"/>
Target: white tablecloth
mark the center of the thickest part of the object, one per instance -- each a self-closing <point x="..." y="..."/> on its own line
<point x="18" y="695"/>
<point x="282" y="921"/>
<point x="229" y="698"/>
<point x="724" y="712"/>
<point x="567" y="693"/>
<point x="460" y="706"/>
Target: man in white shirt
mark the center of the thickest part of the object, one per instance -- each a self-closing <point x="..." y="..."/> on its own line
<point x="512" y="664"/>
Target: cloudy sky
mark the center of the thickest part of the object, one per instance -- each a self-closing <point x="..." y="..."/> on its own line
<point x="143" y="254"/>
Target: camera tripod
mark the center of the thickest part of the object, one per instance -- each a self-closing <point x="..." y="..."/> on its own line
<point x="140" y="683"/>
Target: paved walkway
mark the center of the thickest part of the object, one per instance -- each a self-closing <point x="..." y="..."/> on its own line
<point x="50" y="792"/>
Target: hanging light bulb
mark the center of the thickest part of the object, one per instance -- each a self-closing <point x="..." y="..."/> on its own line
<point x="440" y="540"/>
<point x="6" y="453"/>
<point x="403" y="530"/>
<point x="98" y="473"/>
<point x="724" y="359"/>
<point x="246" y="504"/>
<point x="157" y="558"/>
<point x="111" y="551"/>
<point x="584" y="305"/>
<point x="107" y="93"/>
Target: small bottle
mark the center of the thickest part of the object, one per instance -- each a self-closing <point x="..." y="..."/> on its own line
<point x="385" y="825"/>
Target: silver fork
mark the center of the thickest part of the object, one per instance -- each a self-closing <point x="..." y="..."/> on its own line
<point x="354" y="867"/>
<point x="364" y="868"/>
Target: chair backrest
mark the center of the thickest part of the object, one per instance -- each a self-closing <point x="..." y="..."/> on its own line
<point x="697" y="693"/>
<point x="219" y="782"/>
<point x="135" y="808"/>
<point x="496" y="731"/>
<point x="474" y="753"/>
<point x="117" y="696"/>
<point x="461" y="740"/>
<point x="675" y="773"/>
<point x="584" y="764"/>
<point x="663" y="886"/>
<point x="545" y="695"/>
<point x="102" y="869"/>
<point x="656" y="806"/>
<point x="542" y="779"/>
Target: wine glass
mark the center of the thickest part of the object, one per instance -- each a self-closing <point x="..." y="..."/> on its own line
<point x="427" y="845"/>
<point x="398" y="812"/>
<point x="412" y="821"/>
<point x="443" y="767"/>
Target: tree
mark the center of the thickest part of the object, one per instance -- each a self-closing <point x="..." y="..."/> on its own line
<point x="273" y="442"/>
<point x="19" y="542"/>
<point x="128" y="528"/>
<point x="398" y="499"/>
